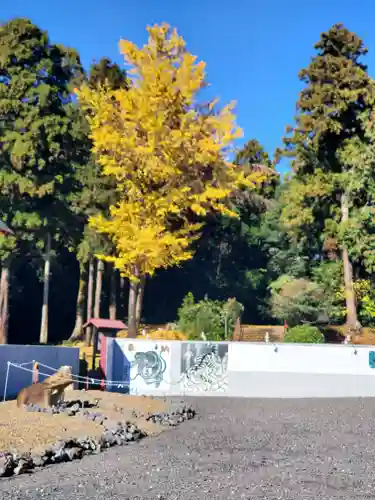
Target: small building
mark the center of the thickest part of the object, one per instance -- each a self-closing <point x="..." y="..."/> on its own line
<point x="102" y="327"/>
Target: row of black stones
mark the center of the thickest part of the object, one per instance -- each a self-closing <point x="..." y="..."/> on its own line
<point x="115" y="433"/>
<point x="173" y="417"/>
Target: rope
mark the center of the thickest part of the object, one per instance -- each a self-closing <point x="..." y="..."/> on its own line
<point x="94" y="381"/>
<point x="120" y="384"/>
<point x="77" y="377"/>
<point x="9" y="364"/>
<point x="111" y="382"/>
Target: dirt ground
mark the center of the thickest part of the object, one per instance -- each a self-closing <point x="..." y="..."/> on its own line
<point x="24" y="431"/>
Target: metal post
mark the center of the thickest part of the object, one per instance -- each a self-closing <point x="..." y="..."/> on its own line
<point x="36" y="373"/>
<point x="6" y="381"/>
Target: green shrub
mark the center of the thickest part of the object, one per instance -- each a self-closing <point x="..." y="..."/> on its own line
<point x="296" y="300"/>
<point x="304" y="334"/>
<point x="214" y="318"/>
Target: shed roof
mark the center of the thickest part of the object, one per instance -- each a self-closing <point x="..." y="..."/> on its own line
<point x="4" y="229"/>
<point x="111" y="324"/>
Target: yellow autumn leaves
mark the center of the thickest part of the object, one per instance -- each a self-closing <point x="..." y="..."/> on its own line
<point x="169" y="155"/>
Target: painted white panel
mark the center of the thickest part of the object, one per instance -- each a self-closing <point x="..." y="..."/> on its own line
<point x="345" y="359"/>
<point x="149" y="363"/>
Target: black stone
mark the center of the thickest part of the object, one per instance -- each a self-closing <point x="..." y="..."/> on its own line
<point x="7" y="465"/>
<point x="37" y="459"/>
<point x="23" y="466"/>
<point x="60" y="456"/>
<point x="74" y="453"/>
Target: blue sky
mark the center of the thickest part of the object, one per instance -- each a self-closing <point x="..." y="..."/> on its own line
<point x="253" y="48"/>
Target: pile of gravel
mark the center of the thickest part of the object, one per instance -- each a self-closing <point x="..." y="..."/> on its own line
<point x="114" y="433"/>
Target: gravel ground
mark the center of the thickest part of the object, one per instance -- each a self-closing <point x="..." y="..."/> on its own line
<point x="24" y="431"/>
<point x="235" y="448"/>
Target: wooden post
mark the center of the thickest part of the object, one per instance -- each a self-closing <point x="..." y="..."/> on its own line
<point x="83" y="370"/>
<point x="90" y="290"/>
<point x="46" y="282"/>
<point x="95" y="347"/>
<point x="237" y="330"/>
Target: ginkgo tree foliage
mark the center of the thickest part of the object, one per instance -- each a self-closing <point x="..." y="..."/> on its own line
<point x="96" y="193"/>
<point x="168" y="154"/>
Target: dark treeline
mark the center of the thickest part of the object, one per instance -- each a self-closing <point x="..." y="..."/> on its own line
<point x="300" y="250"/>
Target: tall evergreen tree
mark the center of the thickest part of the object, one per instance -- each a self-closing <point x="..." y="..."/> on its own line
<point x="106" y="72"/>
<point x="286" y="255"/>
<point x="38" y="142"/>
<point x="252" y="157"/>
<point x="330" y="131"/>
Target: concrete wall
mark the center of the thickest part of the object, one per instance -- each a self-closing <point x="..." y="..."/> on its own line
<point x="240" y="369"/>
<point x="19" y="354"/>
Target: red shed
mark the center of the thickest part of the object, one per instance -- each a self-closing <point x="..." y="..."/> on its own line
<point x="110" y="327"/>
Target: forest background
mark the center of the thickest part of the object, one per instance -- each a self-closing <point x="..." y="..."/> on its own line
<point x="295" y="249"/>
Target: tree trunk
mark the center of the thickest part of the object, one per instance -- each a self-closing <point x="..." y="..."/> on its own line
<point x="2" y="286"/>
<point x="77" y="330"/>
<point x="90" y="291"/>
<point x="4" y="303"/>
<point x="113" y="294"/>
<point x="121" y="296"/>
<point x="220" y="259"/>
<point x="134" y="287"/>
<point x="132" y="307"/>
<point x="98" y="289"/>
<point x="140" y="296"/>
<point x="351" y="306"/>
<point x="46" y="280"/>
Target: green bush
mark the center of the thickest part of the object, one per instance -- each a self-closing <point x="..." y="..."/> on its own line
<point x="304" y="334"/>
<point x="214" y="318"/>
<point x="296" y="300"/>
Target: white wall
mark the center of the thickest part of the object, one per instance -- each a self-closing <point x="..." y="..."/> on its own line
<point x="245" y="369"/>
<point x="300" y="358"/>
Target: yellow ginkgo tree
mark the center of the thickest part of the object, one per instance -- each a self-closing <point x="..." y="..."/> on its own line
<point x="168" y="154"/>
